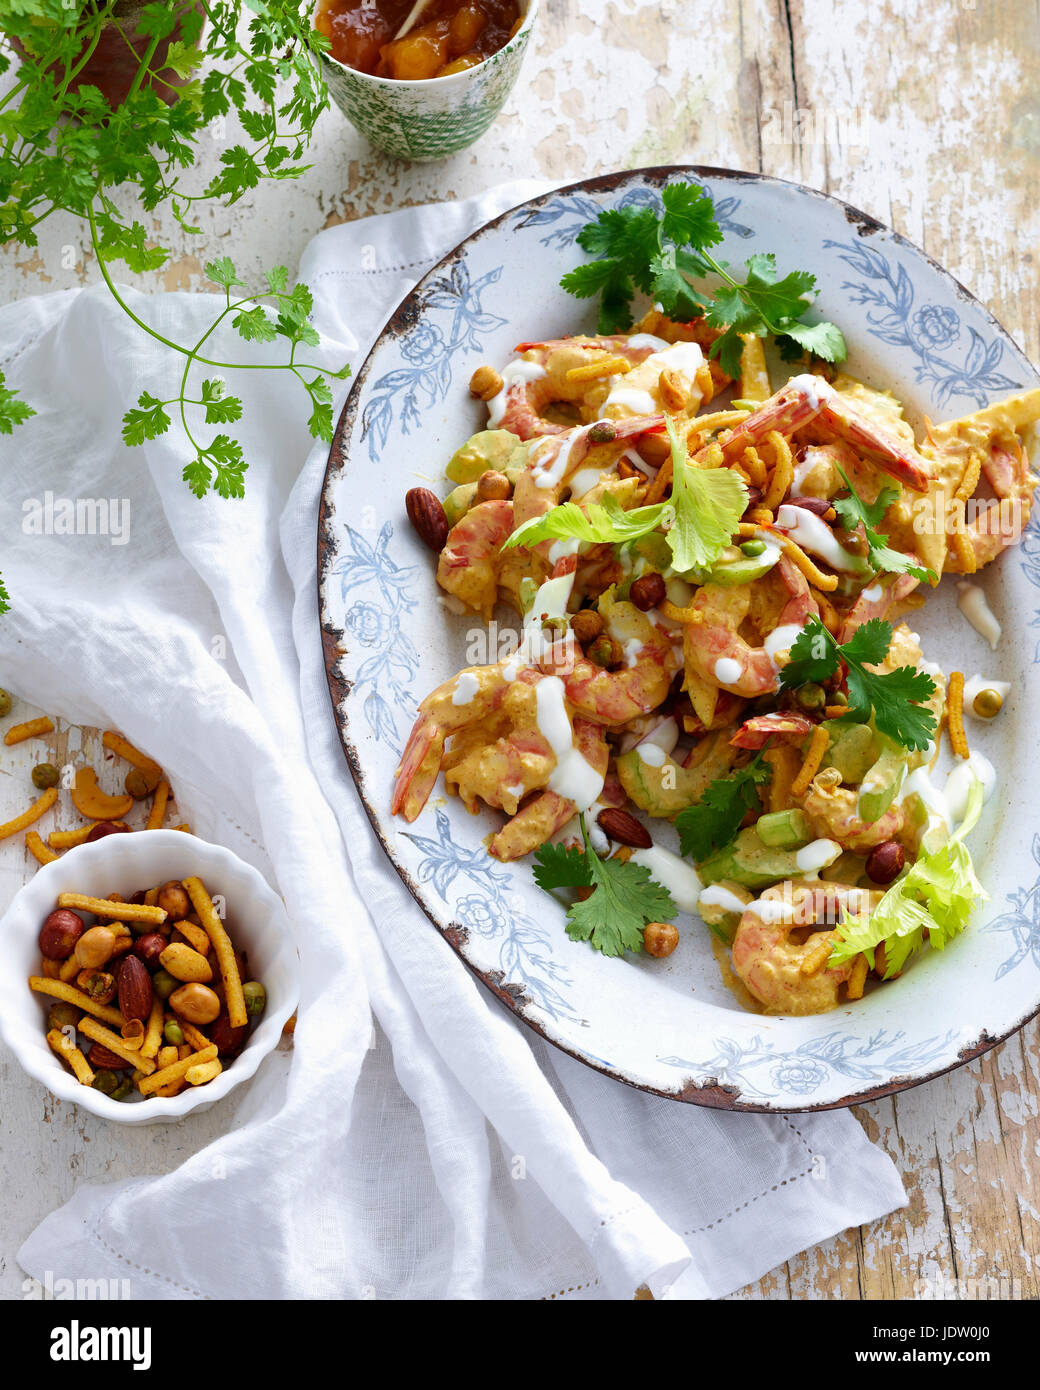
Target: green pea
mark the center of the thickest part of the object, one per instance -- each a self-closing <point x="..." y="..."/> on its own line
<point x="811" y="696"/>
<point x="255" y="996"/>
<point x="45" y="775"/>
<point x="5" y="703"/>
<point x="753" y="548"/>
<point x="164" y="984"/>
<point x="107" y="1082"/>
<point x="124" y="1089"/>
<point x="173" y="1033"/>
<point x="63" y="1016"/>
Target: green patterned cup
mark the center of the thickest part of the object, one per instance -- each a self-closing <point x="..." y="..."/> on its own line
<point x="433" y="119"/>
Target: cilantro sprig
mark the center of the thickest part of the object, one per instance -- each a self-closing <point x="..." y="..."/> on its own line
<point x="635" y="249"/>
<point x="699" y="518"/>
<point x="712" y="822"/>
<point x="853" y="511"/>
<point x="894" y="697"/>
<point x="625" y="897"/>
<point x="65" y="148"/>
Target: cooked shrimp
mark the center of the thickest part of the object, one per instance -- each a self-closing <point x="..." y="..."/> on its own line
<point x="833" y="813"/>
<point x="544" y="815"/>
<point x="541" y="377"/>
<point x="470" y="564"/>
<point x="715" y="651"/>
<point x="809" y="398"/>
<point x="999" y="521"/>
<point x="881" y="599"/>
<point x="612" y="698"/>
<point x="769" y="962"/>
<point x="471" y="697"/>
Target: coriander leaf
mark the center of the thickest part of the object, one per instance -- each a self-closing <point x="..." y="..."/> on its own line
<point x="146" y="423"/>
<point x="222" y="272"/>
<point x="631" y="236"/>
<point x="869" y="643"/>
<point x="813" y="657"/>
<point x="557" y="866"/>
<point x="728" y="349"/>
<point x="254" y="325"/>
<point x="13" y="410"/>
<point x="689" y="216"/>
<point x="895" y="699"/>
<point x="5" y="597"/>
<point x="624" y="899"/>
<point x="220" y="407"/>
<point x="708" y="504"/>
<point x="777" y="300"/>
<point x="671" y="289"/>
<point x="824" y="340"/>
<point x="277" y="279"/>
<point x="713" y="821"/>
<point x="854" y="512"/>
<point x="197" y="475"/>
<point x="597" y="523"/>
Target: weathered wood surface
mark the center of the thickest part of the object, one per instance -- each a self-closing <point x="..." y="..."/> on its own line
<point x="926" y="116"/>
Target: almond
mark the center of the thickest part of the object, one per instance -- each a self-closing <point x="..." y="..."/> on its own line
<point x="102" y="1060"/>
<point x="135" y="989"/>
<point x="426" y="514"/>
<point x="622" y="826"/>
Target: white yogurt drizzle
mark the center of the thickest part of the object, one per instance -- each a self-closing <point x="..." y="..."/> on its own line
<point x="727" y="670"/>
<point x="466" y="687"/>
<point x="972" y="602"/>
<point x="813" y="857"/>
<point x="535" y="644"/>
<point x="573" y="777"/>
<point x="673" y="873"/>
<point x="946" y="805"/>
<point x="715" y="895"/>
<point x="517" y="371"/>
<point x="677" y="357"/>
<point x="812" y="533"/>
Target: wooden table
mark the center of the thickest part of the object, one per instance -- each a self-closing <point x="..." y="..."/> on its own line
<point x="925" y="116"/>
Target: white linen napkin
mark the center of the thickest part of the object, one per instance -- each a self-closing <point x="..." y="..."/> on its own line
<point x="448" y="1152"/>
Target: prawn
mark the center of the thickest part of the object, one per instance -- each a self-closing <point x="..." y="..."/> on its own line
<point x="809" y="398"/>
<point x="713" y="648"/>
<point x="470" y="565"/>
<point x="541" y="377"/>
<point x="471" y="698"/>
<point x="999" y="521"/>
<point x="612" y="698"/>
<point x="769" y="962"/>
<point x="833" y="813"/>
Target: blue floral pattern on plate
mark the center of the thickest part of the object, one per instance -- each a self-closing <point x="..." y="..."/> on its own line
<point x="1023" y="923"/>
<point x="495" y="913"/>
<point x="800" y="1071"/>
<point x="890" y="295"/>
<point x="374" y="622"/>
<point x="451" y="320"/>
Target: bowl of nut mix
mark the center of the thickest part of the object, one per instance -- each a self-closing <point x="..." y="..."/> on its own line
<point x="146" y="975"/>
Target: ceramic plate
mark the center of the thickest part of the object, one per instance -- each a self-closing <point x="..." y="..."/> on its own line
<point x="671" y="1026"/>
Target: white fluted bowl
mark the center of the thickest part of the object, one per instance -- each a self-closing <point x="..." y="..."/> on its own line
<point x="126" y="863"/>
